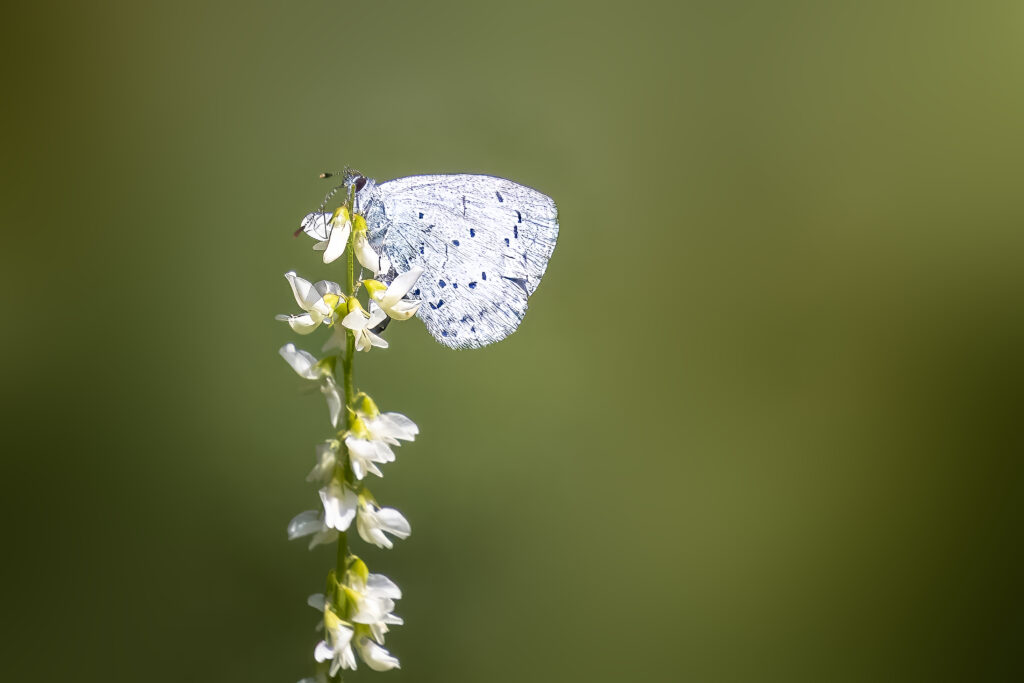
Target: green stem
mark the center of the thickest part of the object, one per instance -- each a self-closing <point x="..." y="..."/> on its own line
<point x="344" y="467"/>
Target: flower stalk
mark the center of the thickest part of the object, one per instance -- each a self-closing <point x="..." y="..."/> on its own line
<point x="343" y="470"/>
<point x="357" y="605"/>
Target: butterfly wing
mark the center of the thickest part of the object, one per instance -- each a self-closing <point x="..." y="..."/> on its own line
<point x="483" y="244"/>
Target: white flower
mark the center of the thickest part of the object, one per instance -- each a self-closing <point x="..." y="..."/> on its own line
<point x="362" y="323"/>
<point x="336" y="646"/>
<point x="338" y="230"/>
<point x="326" y="459"/>
<point x="373" y="600"/>
<point x="371" y="435"/>
<point x="390" y="427"/>
<point x="308" y="523"/>
<point x="318" y="300"/>
<point x="390" y="297"/>
<point x="376" y="657"/>
<point x="366" y="454"/>
<point x="387" y="427"/>
<point x="373" y="522"/>
<point x="307" y="366"/>
<point x="339" y="505"/>
<point x="377" y="263"/>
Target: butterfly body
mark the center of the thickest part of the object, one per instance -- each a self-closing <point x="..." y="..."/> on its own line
<point x="483" y="243"/>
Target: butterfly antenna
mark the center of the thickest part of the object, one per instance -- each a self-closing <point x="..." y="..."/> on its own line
<point x="327" y="197"/>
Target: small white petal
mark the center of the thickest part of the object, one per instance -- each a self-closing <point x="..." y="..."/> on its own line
<point x="301" y="361"/>
<point x="317" y="601"/>
<point x="373" y="523"/>
<point x="339" y="506"/>
<point x="393" y="522"/>
<point x="326" y="458"/>
<point x="356" y="320"/>
<point x="381" y="585"/>
<point x="304" y="524"/>
<point x="329" y="389"/>
<point x="392" y="426"/>
<point x="376" y="657"/>
<point x="302" y="289"/>
<point x="377" y="263"/>
<point x="400" y="286"/>
<point x="348" y="659"/>
<point x="336" y="340"/>
<point x="337" y="242"/>
<point x="404" y="309"/>
<point x="323" y="652"/>
<point x="325" y="537"/>
<point x="325" y="287"/>
<point x="303" y="324"/>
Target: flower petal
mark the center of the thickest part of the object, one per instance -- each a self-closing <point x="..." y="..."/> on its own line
<point x="326" y="458"/>
<point x="376" y="657"/>
<point x="329" y="389"/>
<point x="302" y="289"/>
<point x="303" y="362"/>
<point x="382" y="586"/>
<point x="393" y="522"/>
<point x="305" y="323"/>
<point x="370" y="259"/>
<point x="400" y="286"/>
<point x="317" y="601"/>
<point x="304" y="524"/>
<point x="356" y="320"/>
<point x="339" y="506"/>
<point x="323" y="652"/>
<point x="337" y="242"/>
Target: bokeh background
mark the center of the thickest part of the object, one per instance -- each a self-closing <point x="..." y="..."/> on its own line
<point x="762" y="422"/>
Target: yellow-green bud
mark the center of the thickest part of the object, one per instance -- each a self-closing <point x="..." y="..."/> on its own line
<point x="340" y="215"/>
<point x="358" y="568"/>
<point x="354" y="305"/>
<point x="331" y="620"/>
<point x="366" y="406"/>
<point x="326" y="365"/>
<point x="358" y="223"/>
<point x="374" y="287"/>
<point x="366" y="498"/>
<point x="357" y="428"/>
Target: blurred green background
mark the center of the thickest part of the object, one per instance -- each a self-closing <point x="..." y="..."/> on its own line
<point x="762" y="422"/>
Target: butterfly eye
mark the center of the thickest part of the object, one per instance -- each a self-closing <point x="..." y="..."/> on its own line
<point x="360" y="183"/>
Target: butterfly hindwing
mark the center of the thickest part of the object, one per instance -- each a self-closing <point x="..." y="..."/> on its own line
<point x="483" y="243"/>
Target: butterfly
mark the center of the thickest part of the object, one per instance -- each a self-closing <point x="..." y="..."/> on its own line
<point x="483" y="243"/>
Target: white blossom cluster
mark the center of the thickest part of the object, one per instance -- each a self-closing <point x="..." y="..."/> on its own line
<point x="358" y="607"/>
